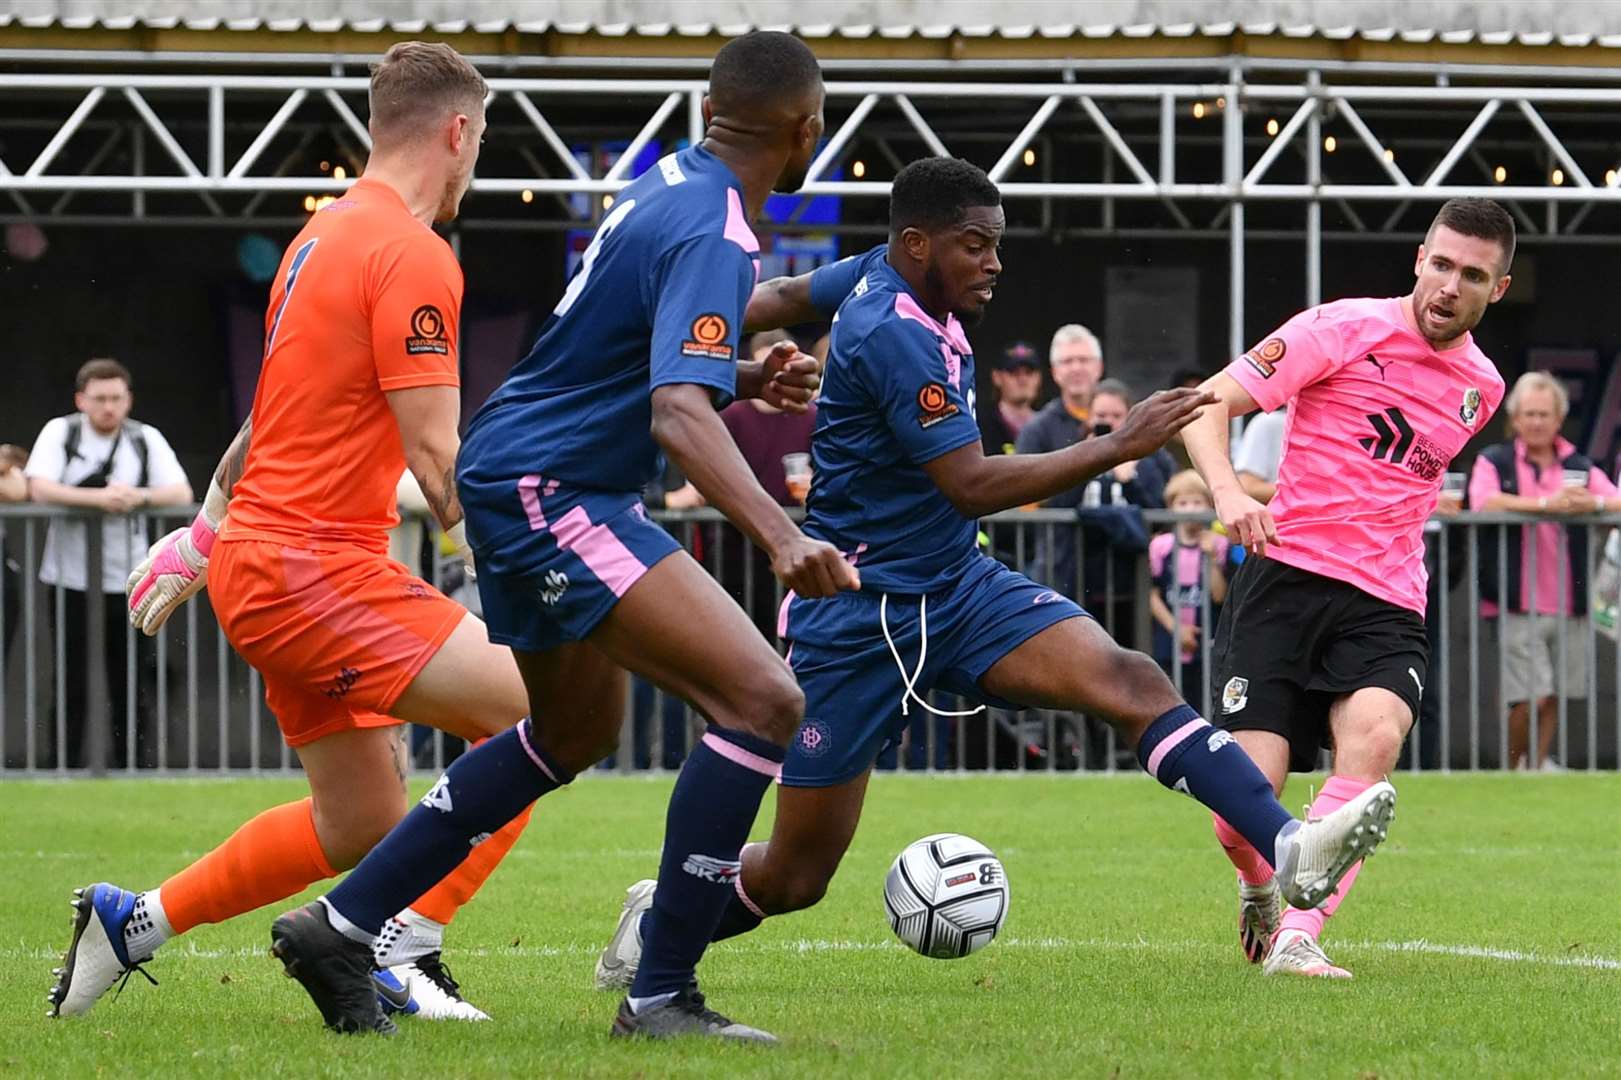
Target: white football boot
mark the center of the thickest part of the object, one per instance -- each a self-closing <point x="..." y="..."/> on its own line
<point x="424" y="988"/>
<point x="1297" y="953"/>
<point x="616" y="967"/>
<point x="98" y="957"/>
<point x="1314" y="857"/>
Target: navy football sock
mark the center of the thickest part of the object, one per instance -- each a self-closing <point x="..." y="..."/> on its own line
<point x="481" y="791"/>
<point x="711" y="811"/>
<point x="1187" y="754"/>
<point x="736" y="919"/>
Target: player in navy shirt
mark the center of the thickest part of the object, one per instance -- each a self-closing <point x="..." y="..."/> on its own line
<point x="635" y="360"/>
<point x="900" y="478"/>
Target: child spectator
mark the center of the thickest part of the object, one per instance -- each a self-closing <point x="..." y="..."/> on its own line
<point x="1183" y="563"/>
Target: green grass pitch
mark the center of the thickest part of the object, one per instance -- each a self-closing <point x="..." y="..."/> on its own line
<point x="1485" y="939"/>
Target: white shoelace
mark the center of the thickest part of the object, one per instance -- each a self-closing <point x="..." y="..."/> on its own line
<point x="910" y="694"/>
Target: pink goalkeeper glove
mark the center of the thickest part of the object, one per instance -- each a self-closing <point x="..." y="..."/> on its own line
<point x="174" y="570"/>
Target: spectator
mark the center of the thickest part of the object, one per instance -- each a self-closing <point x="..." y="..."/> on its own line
<point x="1142" y="483"/>
<point x="13" y="488"/>
<point x="1076" y="359"/>
<point x="1112" y="531"/>
<point x="1455" y="541"/>
<point x="13" y="481"/>
<point x="1077" y="365"/>
<point x="764" y="433"/>
<point x="1112" y="535"/>
<point x="99" y="458"/>
<point x="1538" y="471"/>
<point x="1260" y="449"/>
<point x="1017" y="381"/>
<point x="1184" y="564"/>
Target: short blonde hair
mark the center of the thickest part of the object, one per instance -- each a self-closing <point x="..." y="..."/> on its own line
<point x="416" y="83"/>
<point x="1538" y="380"/>
<point x="1072" y="333"/>
<point x="1186" y="482"/>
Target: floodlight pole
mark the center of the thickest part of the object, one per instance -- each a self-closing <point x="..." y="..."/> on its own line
<point x="1314" y="208"/>
<point x="1232" y="177"/>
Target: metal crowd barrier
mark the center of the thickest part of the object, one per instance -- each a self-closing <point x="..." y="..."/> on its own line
<point x="185" y="703"/>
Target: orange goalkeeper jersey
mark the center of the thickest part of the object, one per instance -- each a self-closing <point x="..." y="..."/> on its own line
<point x="367" y="300"/>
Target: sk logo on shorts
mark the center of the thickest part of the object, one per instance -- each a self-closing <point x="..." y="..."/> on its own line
<point x="1234" y="696"/>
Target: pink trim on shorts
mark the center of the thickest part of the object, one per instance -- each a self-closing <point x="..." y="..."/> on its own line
<point x="739" y="756"/>
<point x="602" y="552"/>
<point x="529" y="495"/>
<point x="782" y="614"/>
<point x="1171" y="742"/>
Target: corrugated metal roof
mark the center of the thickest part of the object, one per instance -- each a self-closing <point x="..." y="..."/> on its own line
<point x="1537" y="23"/>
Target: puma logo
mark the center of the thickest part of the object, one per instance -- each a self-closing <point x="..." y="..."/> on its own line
<point x="1374" y="360"/>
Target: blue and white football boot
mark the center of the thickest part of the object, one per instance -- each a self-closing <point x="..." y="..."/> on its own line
<point x="97" y="958"/>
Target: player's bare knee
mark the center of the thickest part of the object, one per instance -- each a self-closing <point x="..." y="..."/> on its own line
<point x="579" y="746"/>
<point x="805" y="890"/>
<point x="792" y="889"/>
<point x="769" y="707"/>
<point x="1139" y="681"/>
<point x="1374" y="749"/>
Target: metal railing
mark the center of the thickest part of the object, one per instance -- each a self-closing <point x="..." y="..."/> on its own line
<point x="184" y="702"/>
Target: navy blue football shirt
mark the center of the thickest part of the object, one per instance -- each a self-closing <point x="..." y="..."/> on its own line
<point x="658" y="299"/>
<point x="898" y="391"/>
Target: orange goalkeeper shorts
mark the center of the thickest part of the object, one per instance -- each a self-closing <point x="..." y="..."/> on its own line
<point x="338" y="635"/>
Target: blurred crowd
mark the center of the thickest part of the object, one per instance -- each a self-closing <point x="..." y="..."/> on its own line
<point x="1158" y="589"/>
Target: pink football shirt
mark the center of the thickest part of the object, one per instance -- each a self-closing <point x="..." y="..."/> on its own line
<point x="1375" y="416"/>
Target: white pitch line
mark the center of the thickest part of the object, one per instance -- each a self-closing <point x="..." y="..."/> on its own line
<point x="1039" y="944"/>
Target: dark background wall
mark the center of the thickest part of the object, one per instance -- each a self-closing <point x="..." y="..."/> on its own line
<point x="159" y="300"/>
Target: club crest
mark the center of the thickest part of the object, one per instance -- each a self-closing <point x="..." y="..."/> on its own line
<point x="1235" y="695"/>
<point x="1470" y="409"/>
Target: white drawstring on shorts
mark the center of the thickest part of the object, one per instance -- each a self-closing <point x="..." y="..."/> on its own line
<point x="910" y="681"/>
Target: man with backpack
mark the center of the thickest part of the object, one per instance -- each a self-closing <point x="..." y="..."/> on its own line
<point x="98" y="458"/>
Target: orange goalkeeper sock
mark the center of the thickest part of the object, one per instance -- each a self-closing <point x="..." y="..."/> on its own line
<point x="270" y="858"/>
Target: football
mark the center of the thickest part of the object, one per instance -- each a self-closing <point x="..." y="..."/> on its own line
<point x="947" y="896"/>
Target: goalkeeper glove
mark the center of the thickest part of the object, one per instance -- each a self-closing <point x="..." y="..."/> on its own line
<point x="175" y="568"/>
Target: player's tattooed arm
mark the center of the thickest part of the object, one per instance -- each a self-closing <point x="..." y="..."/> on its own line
<point x="978" y="485"/>
<point x="427" y="417"/>
<point x="222" y="485"/>
<point x="441" y="496"/>
<point x="230" y="468"/>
